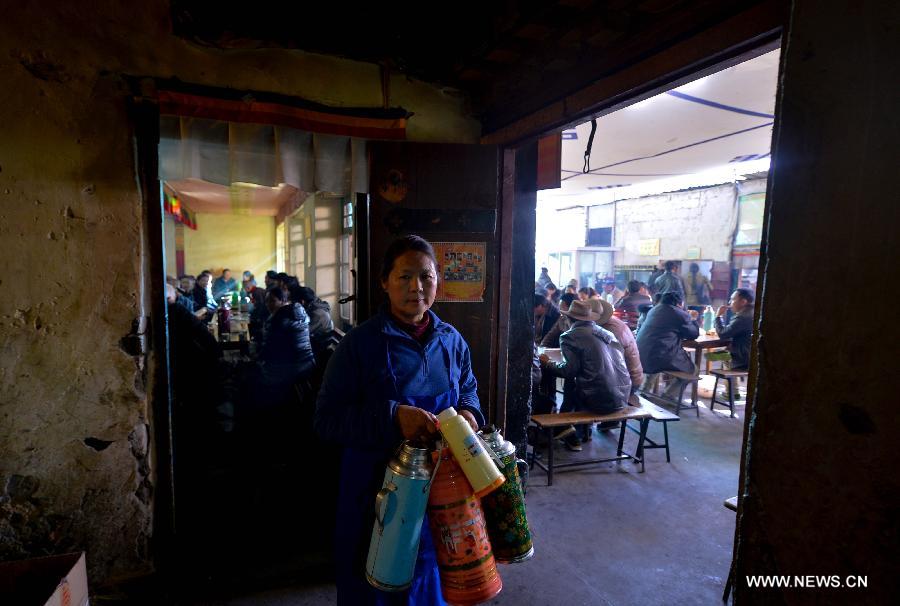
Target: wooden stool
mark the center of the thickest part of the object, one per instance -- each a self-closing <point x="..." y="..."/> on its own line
<point x="728" y="377"/>
<point x="660" y="415"/>
<point x="716" y="355"/>
<point x="686" y="379"/>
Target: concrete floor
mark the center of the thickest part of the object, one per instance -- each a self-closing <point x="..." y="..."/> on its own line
<point x="612" y="536"/>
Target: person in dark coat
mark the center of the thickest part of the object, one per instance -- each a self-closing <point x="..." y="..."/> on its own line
<point x="660" y="336"/>
<point x="259" y="313"/>
<point x="201" y="296"/>
<point x="196" y="363"/>
<point x="594" y="359"/>
<point x="545" y="316"/>
<point x="670" y="281"/>
<point x="633" y="298"/>
<point x="386" y="382"/>
<point x="739" y="329"/>
<point x="286" y="354"/>
<point x="321" y="325"/>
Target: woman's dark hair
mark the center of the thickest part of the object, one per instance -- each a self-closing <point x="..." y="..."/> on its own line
<point x="694" y="268"/>
<point x="403" y="245"/>
<point x="290" y="283"/>
<point x="671" y="298"/>
<point x="567" y="298"/>
<point x="302" y="294"/>
<point x="634" y="286"/>
<point x="277" y="294"/>
<point x="746" y="294"/>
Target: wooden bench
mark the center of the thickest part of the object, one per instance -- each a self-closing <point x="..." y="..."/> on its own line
<point x="728" y="376"/>
<point x="660" y="415"/>
<point x="549" y="422"/>
<point x="687" y="379"/>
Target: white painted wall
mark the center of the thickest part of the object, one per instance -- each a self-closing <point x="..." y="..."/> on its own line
<point x="704" y="218"/>
<point x="558" y="230"/>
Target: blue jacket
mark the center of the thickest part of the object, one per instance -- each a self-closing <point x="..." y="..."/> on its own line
<point x="220" y="286"/>
<point x="357" y="401"/>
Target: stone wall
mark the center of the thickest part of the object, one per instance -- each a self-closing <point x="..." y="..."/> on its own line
<point x="704" y="218"/>
<point x="75" y="465"/>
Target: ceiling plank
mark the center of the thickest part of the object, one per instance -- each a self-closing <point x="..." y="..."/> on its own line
<point x="752" y="31"/>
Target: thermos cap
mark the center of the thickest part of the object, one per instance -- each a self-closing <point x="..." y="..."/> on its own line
<point x="446" y="414"/>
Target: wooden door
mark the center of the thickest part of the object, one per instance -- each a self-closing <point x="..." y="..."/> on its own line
<point x="444" y="193"/>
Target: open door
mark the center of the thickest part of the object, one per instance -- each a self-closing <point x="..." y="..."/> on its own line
<point x="446" y="194"/>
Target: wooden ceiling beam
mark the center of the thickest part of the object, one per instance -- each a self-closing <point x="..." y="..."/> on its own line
<point x="732" y="40"/>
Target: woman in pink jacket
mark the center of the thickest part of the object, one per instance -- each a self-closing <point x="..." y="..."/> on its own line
<point x="624" y="336"/>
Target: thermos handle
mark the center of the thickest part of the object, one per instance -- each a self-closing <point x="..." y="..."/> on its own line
<point x="490" y="451"/>
<point x="381" y="502"/>
<point x="440" y="445"/>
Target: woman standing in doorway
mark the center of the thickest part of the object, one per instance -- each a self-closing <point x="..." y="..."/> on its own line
<point x="696" y="287"/>
<point x="386" y="383"/>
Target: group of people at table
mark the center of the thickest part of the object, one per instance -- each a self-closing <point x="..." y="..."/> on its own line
<point x="614" y="344"/>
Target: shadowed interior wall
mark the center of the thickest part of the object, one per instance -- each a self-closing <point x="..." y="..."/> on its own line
<point x="819" y="480"/>
<point x="75" y="460"/>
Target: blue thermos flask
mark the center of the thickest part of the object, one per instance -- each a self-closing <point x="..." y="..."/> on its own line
<point x="399" y="512"/>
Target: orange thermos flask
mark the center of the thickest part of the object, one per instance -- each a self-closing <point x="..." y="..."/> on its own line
<point x="466" y="563"/>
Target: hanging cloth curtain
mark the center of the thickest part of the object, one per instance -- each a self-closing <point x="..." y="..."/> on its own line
<point x="268" y="142"/>
<point x="225" y="153"/>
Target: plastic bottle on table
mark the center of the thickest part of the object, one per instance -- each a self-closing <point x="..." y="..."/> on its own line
<point x="708" y="318"/>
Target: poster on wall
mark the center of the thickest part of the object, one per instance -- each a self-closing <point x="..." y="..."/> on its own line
<point x="460" y="271"/>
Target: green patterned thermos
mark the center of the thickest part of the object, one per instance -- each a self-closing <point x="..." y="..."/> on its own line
<point x="504" y="508"/>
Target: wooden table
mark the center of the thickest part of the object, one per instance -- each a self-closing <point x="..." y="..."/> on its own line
<point x="698" y="345"/>
<point x="554" y="353"/>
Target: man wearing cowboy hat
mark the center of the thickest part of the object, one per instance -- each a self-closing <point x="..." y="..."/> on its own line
<point x="591" y="356"/>
<point x="625" y="338"/>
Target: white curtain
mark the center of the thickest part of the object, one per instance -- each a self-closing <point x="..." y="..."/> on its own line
<point x="226" y="153"/>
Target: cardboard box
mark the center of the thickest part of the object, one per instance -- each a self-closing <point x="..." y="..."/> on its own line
<point x="52" y="581"/>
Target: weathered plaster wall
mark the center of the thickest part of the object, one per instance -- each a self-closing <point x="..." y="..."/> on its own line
<point x="704" y="218"/>
<point x="821" y="492"/>
<point x="74" y="466"/>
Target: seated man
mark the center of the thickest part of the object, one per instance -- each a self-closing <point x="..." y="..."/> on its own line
<point x="593" y="357"/>
<point x="551" y="339"/>
<point x="320" y="323"/>
<point x="633" y="298"/>
<point x="201" y="295"/>
<point x="545" y="316"/>
<point x="609" y="291"/>
<point x="625" y="338"/>
<point x="739" y="329"/>
<point x="660" y="336"/>
<point x="286" y="354"/>
<point x="270" y="279"/>
<point x="224" y="285"/>
<point x="258" y="310"/>
<point x="194" y="354"/>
